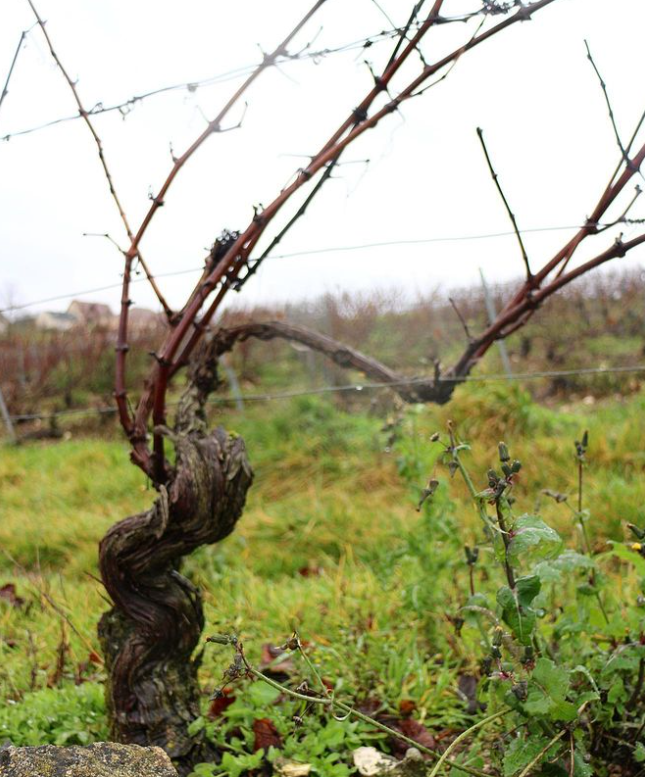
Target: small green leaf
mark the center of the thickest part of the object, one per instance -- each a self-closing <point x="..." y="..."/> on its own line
<point x="196" y="726"/>
<point x="262" y="694"/>
<point x="617" y="691"/>
<point x="580" y="767"/>
<point x="639" y="753"/>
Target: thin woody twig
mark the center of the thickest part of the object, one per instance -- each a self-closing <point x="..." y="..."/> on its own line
<point x="107" y="236"/>
<point x="86" y="118"/>
<point x="511" y="215"/>
<point x="622" y="219"/>
<point x="461" y="319"/>
<point x="23" y="35"/>
<point x="126" y="106"/>
<point x="453" y="64"/>
<point x="612" y="117"/>
<point x="404" y="32"/>
<point x="525" y="305"/>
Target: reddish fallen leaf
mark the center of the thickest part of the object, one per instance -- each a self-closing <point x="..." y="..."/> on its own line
<point x="413" y="730"/>
<point x="327" y="683"/>
<point x="220" y="703"/>
<point x="8" y="594"/>
<point x="266" y="735"/>
<point x="310" y="571"/>
<point x="269" y="655"/>
<point x="370" y="706"/>
<point x="407" y="707"/>
<point x="94" y="658"/>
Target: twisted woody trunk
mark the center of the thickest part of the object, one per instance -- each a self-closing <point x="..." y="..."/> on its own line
<point x="151" y="633"/>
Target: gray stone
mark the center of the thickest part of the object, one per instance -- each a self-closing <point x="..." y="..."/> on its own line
<point x="103" y="759"/>
<point x="371" y="762"/>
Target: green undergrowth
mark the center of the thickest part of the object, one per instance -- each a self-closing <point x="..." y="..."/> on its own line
<point x="330" y="544"/>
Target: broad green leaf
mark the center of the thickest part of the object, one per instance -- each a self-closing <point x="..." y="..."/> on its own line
<point x="521" y="752"/>
<point x="532" y="539"/>
<point x="548" y="688"/>
<point x="527" y="589"/>
<point x="516" y="610"/>
<point x="567" y="562"/>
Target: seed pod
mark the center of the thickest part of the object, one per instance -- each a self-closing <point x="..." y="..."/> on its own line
<point x="504" y="455"/>
<point x="486" y="665"/>
<point x="223" y="639"/>
<point x="520" y="690"/>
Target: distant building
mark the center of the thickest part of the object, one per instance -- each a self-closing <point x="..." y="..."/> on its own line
<point x="140" y="319"/>
<point x="90" y="314"/>
<point x="58" y="321"/>
<point x="95" y="315"/>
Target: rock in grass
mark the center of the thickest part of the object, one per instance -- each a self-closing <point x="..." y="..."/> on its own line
<point x="103" y="759"/>
<point x="371" y="762"/>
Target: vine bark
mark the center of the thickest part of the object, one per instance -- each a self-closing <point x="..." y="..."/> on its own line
<point x="150" y="634"/>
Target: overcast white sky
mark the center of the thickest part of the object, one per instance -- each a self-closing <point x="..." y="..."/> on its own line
<point x="530" y="88"/>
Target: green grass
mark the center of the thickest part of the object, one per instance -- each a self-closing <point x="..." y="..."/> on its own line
<point x="328" y="499"/>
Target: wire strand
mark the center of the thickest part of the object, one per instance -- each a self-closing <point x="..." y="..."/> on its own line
<point x="356" y="387"/>
<point x="295" y="254"/>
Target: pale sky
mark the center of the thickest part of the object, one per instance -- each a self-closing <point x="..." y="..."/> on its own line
<point x="531" y="88"/>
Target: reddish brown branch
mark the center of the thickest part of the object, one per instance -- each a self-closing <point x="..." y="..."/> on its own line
<point x="135" y="431"/>
<point x="235" y="261"/>
<point x="511" y="215"/>
<point x="511" y="318"/>
<point x="125" y="301"/>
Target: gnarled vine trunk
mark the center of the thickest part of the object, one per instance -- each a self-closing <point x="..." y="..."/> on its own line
<point x="151" y="633"/>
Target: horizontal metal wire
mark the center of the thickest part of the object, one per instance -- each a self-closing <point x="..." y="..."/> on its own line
<point x="356" y="387"/>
